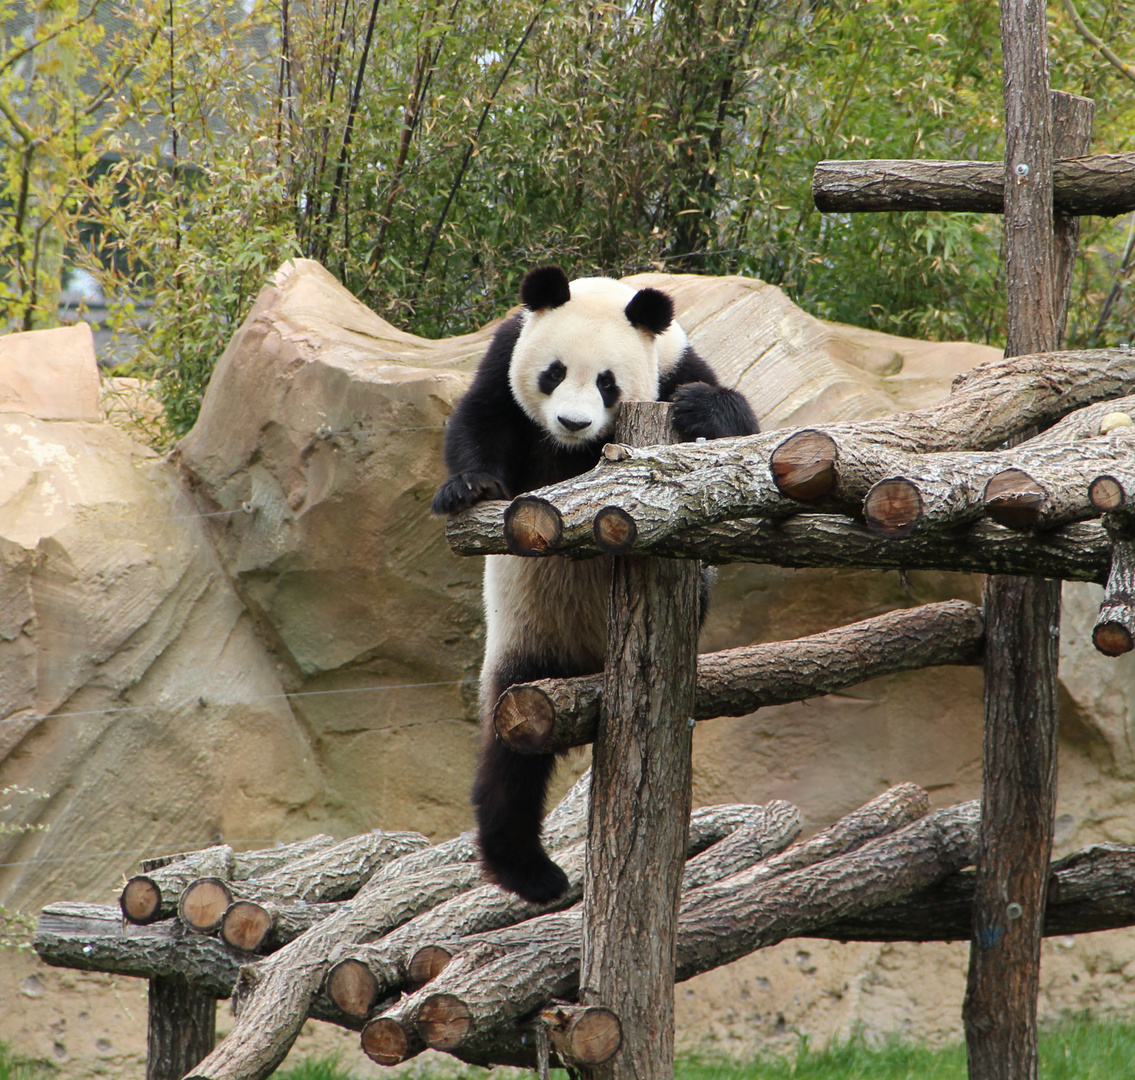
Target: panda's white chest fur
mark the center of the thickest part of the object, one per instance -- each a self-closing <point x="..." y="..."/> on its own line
<point x="547" y="608"/>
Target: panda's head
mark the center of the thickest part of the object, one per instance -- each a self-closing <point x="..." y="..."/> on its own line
<point x="583" y="347"/>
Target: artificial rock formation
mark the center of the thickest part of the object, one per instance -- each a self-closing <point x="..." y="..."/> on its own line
<point x="289" y="647"/>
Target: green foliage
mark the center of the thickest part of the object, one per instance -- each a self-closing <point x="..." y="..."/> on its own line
<point x="184" y="233"/>
<point x="16" y="927"/>
<point x="14" y="1067"/>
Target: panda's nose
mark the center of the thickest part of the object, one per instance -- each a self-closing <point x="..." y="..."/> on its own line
<point x="574" y="425"/>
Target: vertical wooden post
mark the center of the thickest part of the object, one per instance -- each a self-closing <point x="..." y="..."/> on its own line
<point x="640" y="793"/>
<point x="1022" y="615"/>
<point x="183" y="1028"/>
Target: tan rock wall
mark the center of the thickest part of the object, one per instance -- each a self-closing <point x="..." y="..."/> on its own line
<point x="265" y="635"/>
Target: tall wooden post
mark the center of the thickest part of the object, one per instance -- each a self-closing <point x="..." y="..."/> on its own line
<point x="640" y="793"/>
<point x="1022" y="615"/>
<point x="183" y="1028"/>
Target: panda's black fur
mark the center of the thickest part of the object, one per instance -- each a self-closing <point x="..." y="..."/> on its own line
<point x="546" y="618"/>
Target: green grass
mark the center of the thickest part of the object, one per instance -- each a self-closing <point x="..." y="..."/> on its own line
<point x="13" y="1067"/>
<point x="1076" y="1050"/>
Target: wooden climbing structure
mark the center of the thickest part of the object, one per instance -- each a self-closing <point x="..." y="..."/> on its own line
<point x="1025" y="473"/>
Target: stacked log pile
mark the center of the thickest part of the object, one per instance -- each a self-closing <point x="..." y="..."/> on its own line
<point x="426" y="955"/>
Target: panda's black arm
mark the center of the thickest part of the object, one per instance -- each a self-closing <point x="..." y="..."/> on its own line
<point x="703" y="407"/>
<point x="484" y="435"/>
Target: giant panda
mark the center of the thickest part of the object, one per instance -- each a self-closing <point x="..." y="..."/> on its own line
<point x="540" y="407"/>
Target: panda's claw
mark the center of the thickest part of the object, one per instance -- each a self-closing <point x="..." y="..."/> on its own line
<point x="466" y="489"/>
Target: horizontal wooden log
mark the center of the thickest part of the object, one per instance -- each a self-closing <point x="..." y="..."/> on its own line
<point x="1080" y="551"/>
<point x="1113" y="494"/>
<point x="203" y="903"/>
<point x="154" y="893"/>
<point x="1114" y="632"/>
<point x="669" y="489"/>
<point x="947" y="490"/>
<point x="718" y="924"/>
<point x="1100" y="184"/>
<point x="250" y="927"/>
<point x="1025" y="488"/>
<point x="555" y="714"/>
<point x="1088" y="891"/>
<point x="583" y="1035"/>
<point x="763" y="830"/>
<point x="331" y="873"/>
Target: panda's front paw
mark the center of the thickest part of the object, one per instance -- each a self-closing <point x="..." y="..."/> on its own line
<point x="467" y="489"/>
<point x="702" y="411"/>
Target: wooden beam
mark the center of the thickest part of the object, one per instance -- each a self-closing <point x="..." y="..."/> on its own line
<point x="1022" y="615"/>
<point x="1102" y="184"/>
<point x="641" y="777"/>
<point x="553" y="715"/>
<point x="182" y="1027"/>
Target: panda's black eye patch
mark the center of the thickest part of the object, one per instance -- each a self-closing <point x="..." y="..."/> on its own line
<point x="608" y="388"/>
<point x="551" y="377"/>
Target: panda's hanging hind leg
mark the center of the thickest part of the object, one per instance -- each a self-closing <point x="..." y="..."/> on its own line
<point x="509" y="794"/>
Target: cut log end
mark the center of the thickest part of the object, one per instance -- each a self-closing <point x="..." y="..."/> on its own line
<point x="246" y="926"/>
<point x="614" y="530"/>
<point x="584" y="1035"/>
<point x="1112" y="639"/>
<point x="388" y="1042"/>
<point x="804" y="465"/>
<point x="1014" y="499"/>
<point x="524" y="718"/>
<point x="1106" y="493"/>
<point x="532" y="526"/>
<point x="141" y="900"/>
<point x="427" y="964"/>
<point x="893" y="507"/>
<point x="444" y="1021"/>
<point x="203" y="903"/>
<point x="354" y="989"/>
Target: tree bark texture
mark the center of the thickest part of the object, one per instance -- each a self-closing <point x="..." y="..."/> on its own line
<point x="332" y="873"/>
<point x="641" y="777"/>
<point x="153" y="894"/>
<point x="1101" y="184"/>
<point x="1090" y="890"/>
<point x="945" y="491"/>
<point x="1022" y="619"/>
<point x="720" y="837"/>
<point x="275" y="996"/>
<point x="182" y="1027"/>
<point x="670" y="489"/>
<point x="1080" y="551"/>
<point x="1114" y="632"/>
<point x="1072" y="118"/>
<point x="728" y="923"/>
<point x="502" y="977"/>
<point x="250" y="927"/>
<point x="556" y="714"/>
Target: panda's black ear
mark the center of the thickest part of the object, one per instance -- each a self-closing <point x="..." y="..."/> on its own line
<point x="650" y="310"/>
<point x="544" y="287"/>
